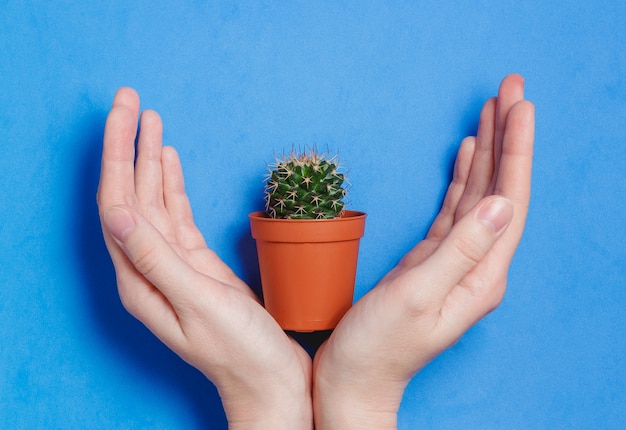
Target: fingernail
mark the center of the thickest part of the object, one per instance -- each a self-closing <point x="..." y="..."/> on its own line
<point x="496" y="214"/>
<point x="119" y="222"/>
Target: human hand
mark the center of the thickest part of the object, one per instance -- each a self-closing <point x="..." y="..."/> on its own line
<point x="168" y="279"/>
<point x="444" y="285"/>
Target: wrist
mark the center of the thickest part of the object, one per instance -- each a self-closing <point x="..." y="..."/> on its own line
<point x="356" y="406"/>
<point x="267" y="406"/>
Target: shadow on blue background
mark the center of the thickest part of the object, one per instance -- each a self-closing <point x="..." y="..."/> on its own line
<point x="246" y="250"/>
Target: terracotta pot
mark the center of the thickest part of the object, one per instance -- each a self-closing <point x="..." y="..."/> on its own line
<point x="308" y="268"/>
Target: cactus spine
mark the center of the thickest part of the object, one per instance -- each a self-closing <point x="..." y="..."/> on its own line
<point x="304" y="185"/>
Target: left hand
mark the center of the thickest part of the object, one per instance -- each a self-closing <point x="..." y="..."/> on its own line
<point x="444" y="285"/>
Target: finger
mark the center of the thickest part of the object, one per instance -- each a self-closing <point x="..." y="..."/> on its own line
<point x="151" y="255"/>
<point x="144" y="301"/>
<point x="514" y="178"/>
<point x="445" y="219"/>
<point x="514" y="174"/>
<point x="140" y="298"/>
<point x="483" y="288"/>
<point x="510" y="92"/>
<point x="187" y="233"/>
<point x="177" y="202"/>
<point x="464" y="248"/>
<point x="482" y="167"/>
<point x="479" y="293"/>
<point x="118" y="153"/>
<point x="149" y="176"/>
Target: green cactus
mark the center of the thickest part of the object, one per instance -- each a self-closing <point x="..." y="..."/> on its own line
<point x="304" y="185"/>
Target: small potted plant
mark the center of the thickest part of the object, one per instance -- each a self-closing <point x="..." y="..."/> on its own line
<point x="307" y="243"/>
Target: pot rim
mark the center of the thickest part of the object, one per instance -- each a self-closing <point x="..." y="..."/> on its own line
<point x="351" y="226"/>
<point x="346" y="215"/>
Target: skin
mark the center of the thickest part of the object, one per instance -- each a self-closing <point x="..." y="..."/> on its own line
<point x="168" y="279"/>
<point x="175" y="285"/>
<point x="448" y="282"/>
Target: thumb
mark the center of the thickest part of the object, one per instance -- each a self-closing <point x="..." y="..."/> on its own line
<point x="146" y="248"/>
<point x="466" y="245"/>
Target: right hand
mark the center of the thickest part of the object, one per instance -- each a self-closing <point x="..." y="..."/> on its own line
<point x="171" y="281"/>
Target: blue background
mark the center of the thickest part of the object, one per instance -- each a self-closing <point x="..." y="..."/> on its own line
<point x="393" y="87"/>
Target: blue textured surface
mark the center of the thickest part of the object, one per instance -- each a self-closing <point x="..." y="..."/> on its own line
<point x="393" y="87"/>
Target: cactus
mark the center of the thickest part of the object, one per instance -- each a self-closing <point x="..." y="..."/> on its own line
<point x="304" y="185"/>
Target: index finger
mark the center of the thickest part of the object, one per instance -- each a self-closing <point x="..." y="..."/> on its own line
<point x="117" y="174"/>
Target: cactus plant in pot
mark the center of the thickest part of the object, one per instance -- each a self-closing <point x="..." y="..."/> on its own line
<point x="307" y="243"/>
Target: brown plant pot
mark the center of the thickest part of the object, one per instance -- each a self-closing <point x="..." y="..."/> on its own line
<point x="308" y="268"/>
